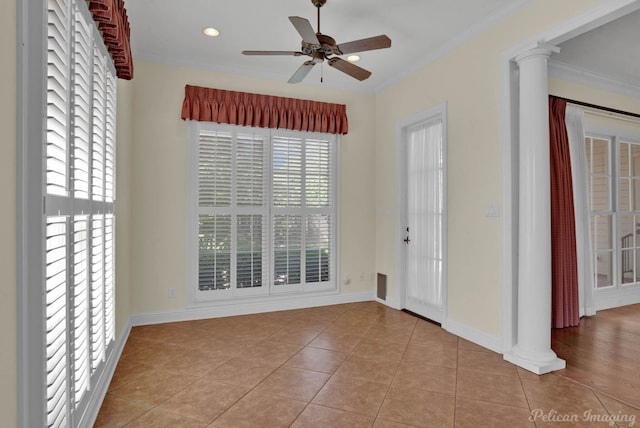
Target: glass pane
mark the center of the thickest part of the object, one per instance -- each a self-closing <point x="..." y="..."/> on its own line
<point x="249" y="252"/>
<point x="604" y="277"/>
<point x="287" y="249"/>
<point x="634" y="164"/>
<point x="215" y="252"/>
<point x="627" y="231"/>
<point x="587" y="149"/>
<point x="635" y="194"/>
<point x="627" y="266"/>
<point x="602" y="230"/>
<point x="624" y="160"/>
<point x="624" y="194"/>
<point x="600" y="200"/>
<point x="600" y="156"/>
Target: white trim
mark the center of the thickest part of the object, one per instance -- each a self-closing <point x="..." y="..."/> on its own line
<point x="571" y="73"/>
<point x="623" y="296"/>
<point x="391" y="301"/>
<point x="300" y="301"/>
<point x="88" y="419"/>
<point x="440" y="112"/>
<point x="474" y="335"/>
<point x="586" y="21"/>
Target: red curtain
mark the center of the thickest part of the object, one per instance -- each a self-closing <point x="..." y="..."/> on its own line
<point x="263" y="111"/>
<point x="565" y="310"/>
<point x="113" y="23"/>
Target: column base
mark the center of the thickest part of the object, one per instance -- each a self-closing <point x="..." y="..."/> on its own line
<point x="539" y="367"/>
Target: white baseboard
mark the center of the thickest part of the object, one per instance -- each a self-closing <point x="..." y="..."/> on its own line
<point x="473" y="335"/>
<point x="102" y="385"/>
<point x="609" y="300"/>
<point x="297" y="302"/>
<point x="391" y="302"/>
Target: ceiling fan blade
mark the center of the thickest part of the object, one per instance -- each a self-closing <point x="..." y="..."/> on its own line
<point x="349" y="68"/>
<point x="302" y="72"/>
<point x="305" y="29"/>
<point x="289" y="53"/>
<point x="368" y="44"/>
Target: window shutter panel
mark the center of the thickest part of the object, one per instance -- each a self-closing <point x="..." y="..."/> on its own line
<point x="98" y="131"/>
<point x="97" y="291"/>
<point x="287" y="172"/>
<point x="215" y="252"/>
<point x="109" y="292"/>
<point x="250" y="184"/>
<point x="81" y="362"/>
<point x="110" y="138"/>
<point x="287" y="249"/>
<point x="58" y="71"/>
<point x="215" y="163"/>
<point x="56" y="321"/>
<point x="82" y="107"/>
<point x="318" y="174"/>
<point x="318" y="246"/>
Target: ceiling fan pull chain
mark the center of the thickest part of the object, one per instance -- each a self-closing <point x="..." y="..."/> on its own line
<point x="322" y="72"/>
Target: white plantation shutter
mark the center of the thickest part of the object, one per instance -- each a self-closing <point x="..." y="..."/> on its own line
<point x="97" y="291"/>
<point x="109" y="280"/>
<point x="56" y="325"/>
<point x="110" y="139"/>
<point x="232" y="211"/>
<point x="81" y="361"/>
<point x="266" y="211"/>
<point x="79" y="224"/>
<point x="287" y="172"/>
<point x="58" y="80"/>
<point x="99" y="125"/>
<point x="82" y="107"/>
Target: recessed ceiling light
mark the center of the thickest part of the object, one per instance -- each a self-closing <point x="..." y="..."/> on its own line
<point x="353" y="58"/>
<point x="211" y="32"/>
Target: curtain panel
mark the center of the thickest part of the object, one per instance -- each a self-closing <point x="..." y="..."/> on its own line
<point x="263" y="111"/>
<point x="565" y="310"/>
<point x="113" y="22"/>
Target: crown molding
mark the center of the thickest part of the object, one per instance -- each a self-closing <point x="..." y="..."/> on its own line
<point x="564" y="71"/>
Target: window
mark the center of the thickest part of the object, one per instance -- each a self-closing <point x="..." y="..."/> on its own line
<point x="69" y="225"/>
<point x="614" y="186"/>
<point x="263" y="210"/>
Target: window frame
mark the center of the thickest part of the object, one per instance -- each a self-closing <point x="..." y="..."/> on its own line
<point x="615" y="137"/>
<point x="198" y="298"/>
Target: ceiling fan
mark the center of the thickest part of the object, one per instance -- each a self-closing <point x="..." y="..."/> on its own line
<point x="321" y="47"/>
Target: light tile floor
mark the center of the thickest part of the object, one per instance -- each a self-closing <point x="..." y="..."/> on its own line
<point x="352" y="365"/>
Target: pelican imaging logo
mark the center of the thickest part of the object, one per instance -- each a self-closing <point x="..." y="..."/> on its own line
<point x="589" y="415"/>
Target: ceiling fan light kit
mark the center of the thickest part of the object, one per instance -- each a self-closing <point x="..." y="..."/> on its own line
<point x="321" y="47"/>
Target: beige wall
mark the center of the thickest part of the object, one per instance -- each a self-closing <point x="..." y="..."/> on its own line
<point x="124" y="123"/>
<point x="8" y="296"/>
<point x="468" y="79"/>
<point x="158" y="179"/>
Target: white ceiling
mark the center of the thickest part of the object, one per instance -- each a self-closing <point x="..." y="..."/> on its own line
<point x="170" y="31"/>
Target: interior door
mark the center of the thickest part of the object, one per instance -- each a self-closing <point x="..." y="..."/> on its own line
<point x="423" y="238"/>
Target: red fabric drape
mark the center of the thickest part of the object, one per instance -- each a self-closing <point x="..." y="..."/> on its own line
<point x="565" y="305"/>
<point x="113" y="23"/>
<point x="263" y="111"/>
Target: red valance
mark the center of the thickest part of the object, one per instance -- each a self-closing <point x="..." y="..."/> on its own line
<point x="113" y="23"/>
<point x="263" y="111"/>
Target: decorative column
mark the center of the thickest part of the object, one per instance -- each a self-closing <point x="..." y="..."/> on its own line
<point x="533" y="343"/>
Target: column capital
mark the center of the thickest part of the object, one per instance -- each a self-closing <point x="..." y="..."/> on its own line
<point x="541" y="50"/>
